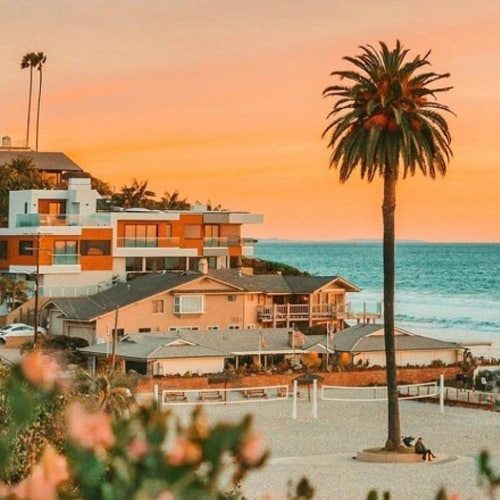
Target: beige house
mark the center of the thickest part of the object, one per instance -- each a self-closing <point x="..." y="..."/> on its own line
<point x="219" y="300"/>
<point x="364" y="343"/>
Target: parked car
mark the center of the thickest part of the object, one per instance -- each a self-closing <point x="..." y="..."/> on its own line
<point x="20" y="329"/>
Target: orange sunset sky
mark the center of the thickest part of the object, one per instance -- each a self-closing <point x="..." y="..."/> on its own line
<point x="222" y="101"/>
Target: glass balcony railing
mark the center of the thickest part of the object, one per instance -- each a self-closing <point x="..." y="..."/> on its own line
<point x="36" y="220"/>
<point x="65" y="259"/>
<point x="147" y="242"/>
<point x="228" y="241"/>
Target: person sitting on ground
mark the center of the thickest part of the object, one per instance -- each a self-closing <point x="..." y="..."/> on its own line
<point x="408" y="440"/>
<point x="421" y="449"/>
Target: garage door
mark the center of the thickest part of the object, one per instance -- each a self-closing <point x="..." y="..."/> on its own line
<point x="84" y="332"/>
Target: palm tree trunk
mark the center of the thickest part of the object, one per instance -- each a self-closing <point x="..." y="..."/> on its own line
<point x="29" y="108"/>
<point x="388" y="209"/>
<point x="38" y="109"/>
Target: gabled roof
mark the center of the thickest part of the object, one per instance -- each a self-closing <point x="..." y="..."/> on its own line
<point x="42" y="160"/>
<point x="281" y="284"/>
<point x="370" y="338"/>
<point x="150" y="347"/>
<point x="123" y="294"/>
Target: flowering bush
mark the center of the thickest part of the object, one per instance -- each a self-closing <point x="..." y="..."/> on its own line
<point x="93" y="452"/>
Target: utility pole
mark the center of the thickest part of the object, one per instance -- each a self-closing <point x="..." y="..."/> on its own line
<point x="37" y="293"/>
<point x="115" y="337"/>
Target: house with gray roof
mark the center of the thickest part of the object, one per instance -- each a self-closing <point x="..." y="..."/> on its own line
<point x="193" y="301"/>
<point x="364" y="344"/>
<point x="206" y="351"/>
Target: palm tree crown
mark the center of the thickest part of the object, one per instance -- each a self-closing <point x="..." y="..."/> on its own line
<point x="388" y="116"/>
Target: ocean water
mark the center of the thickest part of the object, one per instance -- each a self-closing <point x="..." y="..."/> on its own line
<point x="447" y="291"/>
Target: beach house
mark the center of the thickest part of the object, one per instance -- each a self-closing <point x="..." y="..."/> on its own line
<point x="364" y="344"/>
<point x="206" y="300"/>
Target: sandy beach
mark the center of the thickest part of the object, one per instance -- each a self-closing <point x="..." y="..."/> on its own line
<point x="322" y="449"/>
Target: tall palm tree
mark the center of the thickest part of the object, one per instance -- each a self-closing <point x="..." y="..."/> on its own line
<point x="41" y="58"/>
<point x="29" y="60"/>
<point x="386" y="122"/>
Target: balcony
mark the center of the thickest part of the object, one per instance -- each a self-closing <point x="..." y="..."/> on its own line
<point x="225" y="242"/>
<point x="65" y="259"/>
<point x="288" y="313"/>
<point x="38" y="220"/>
<point x="147" y="242"/>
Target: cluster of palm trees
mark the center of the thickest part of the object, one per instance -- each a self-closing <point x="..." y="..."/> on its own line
<point x="387" y="123"/>
<point x="31" y="61"/>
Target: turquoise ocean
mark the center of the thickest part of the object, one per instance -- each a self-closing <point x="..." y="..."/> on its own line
<point x="447" y="291"/>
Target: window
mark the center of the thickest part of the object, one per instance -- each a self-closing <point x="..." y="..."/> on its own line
<point x="144" y="330"/>
<point x="231" y="298"/>
<point x="120" y="332"/>
<point x="211" y="235"/>
<point x="133" y="264"/>
<point x="51" y="207"/>
<point x="26" y="247"/>
<point x="141" y="235"/>
<point x="189" y="304"/>
<point x="95" y="247"/>
<point x="212" y="327"/>
<point x="212" y="262"/>
<point x="158" y="306"/>
<point x="192" y="231"/>
<point x="165" y="263"/>
<point x="234" y="327"/>
<point x="183" y="329"/>
<point x="3" y="249"/>
<point x="65" y="252"/>
<point x="250" y="327"/>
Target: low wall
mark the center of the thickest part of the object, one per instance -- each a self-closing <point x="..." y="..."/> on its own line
<point x="352" y="378"/>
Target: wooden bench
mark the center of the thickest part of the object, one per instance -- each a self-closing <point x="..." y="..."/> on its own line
<point x="176" y="396"/>
<point x="210" y="396"/>
<point x="255" y="393"/>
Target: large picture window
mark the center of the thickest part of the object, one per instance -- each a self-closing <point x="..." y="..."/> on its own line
<point x="65" y="252"/>
<point x="133" y="264"/>
<point x="189" y="304"/>
<point x="95" y="247"/>
<point x="141" y="235"/>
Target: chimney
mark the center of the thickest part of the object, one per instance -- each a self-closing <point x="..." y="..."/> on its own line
<point x="203" y="266"/>
<point x="6" y="141"/>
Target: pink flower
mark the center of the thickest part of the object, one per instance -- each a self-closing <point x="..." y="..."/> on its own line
<point x="91" y="430"/>
<point x="252" y="449"/>
<point x="184" y="452"/>
<point x="40" y="369"/>
<point x="165" y="495"/>
<point x="44" y="478"/>
<point x="138" y="448"/>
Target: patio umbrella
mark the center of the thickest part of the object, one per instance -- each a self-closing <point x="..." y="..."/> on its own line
<point x="224" y="378"/>
<point x="307" y="379"/>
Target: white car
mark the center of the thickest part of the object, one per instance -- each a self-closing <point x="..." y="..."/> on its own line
<point x="20" y="329"/>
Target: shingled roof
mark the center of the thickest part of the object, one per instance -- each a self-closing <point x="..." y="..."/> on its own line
<point x="280" y="284"/>
<point x="42" y="160"/>
<point x="209" y="343"/>
<point x="370" y="338"/>
<point x="123" y="294"/>
<point x="149" y="347"/>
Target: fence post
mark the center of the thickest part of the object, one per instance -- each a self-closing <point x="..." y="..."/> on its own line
<point x="441" y="392"/>
<point x="156" y="394"/>
<point x="294" y="403"/>
<point x="315" y="399"/>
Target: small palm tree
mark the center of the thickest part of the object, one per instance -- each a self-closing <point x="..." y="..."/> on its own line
<point x="13" y="292"/>
<point x="29" y="60"/>
<point x="387" y="123"/>
<point x="137" y="195"/>
<point x="40" y="60"/>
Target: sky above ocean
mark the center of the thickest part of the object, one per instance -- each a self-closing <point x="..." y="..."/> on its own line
<point x="222" y="101"/>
